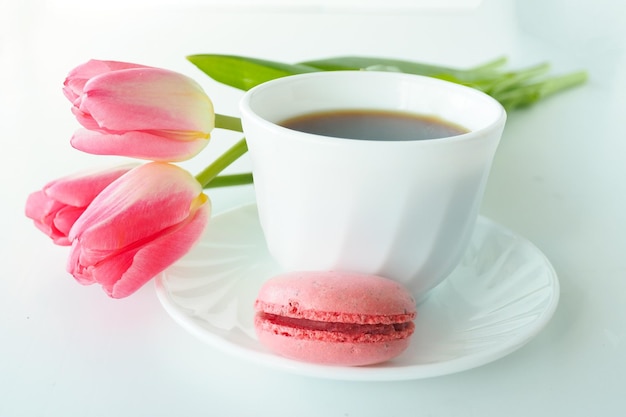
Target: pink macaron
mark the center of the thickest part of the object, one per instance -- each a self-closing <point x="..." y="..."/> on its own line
<point x="334" y="318"/>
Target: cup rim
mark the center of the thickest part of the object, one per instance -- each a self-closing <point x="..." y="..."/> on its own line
<point x="247" y="111"/>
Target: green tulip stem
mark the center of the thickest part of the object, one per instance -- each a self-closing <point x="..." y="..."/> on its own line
<point x="211" y="172"/>
<point x="230" y="180"/>
<point x="228" y="122"/>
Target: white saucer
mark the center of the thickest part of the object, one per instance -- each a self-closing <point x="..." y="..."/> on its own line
<point x="502" y="294"/>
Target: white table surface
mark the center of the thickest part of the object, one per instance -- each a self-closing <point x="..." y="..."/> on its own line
<point x="559" y="179"/>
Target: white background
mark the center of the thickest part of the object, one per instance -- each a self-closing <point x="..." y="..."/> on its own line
<point x="559" y="179"/>
<point x="279" y="5"/>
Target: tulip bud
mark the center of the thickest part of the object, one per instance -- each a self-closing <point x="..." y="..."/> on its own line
<point x="138" y="226"/>
<point x="138" y="111"/>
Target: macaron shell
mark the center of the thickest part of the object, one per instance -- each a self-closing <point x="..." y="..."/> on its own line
<point x="333" y="291"/>
<point x="332" y="353"/>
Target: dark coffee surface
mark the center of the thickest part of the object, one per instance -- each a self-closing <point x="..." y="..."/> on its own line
<point x="374" y="125"/>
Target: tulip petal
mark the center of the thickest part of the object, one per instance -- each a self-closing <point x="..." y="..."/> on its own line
<point x="64" y="220"/>
<point x="78" y="77"/>
<point x="147" y="199"/>
<point x="41" y="209"/>
<point x="38" y="205"/>
<point x="121" y="276"/>
<point x="148" y="99"/>
<point x="85" y="119"/>
<point x="142" y="145"/>
<point x="80" y="189"/>
<point x="56" y="207"/>
<point x="82" y="273"/>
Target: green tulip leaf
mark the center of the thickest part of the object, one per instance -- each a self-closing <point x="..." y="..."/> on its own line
<point x="244" y="72"/>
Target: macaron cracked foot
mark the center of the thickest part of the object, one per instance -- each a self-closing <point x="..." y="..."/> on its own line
<point x="334" y="318"/>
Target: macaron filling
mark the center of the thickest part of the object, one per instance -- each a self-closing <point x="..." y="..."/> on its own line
<point x="370" y="329"/>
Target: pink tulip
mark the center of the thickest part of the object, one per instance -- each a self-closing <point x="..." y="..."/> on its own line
<point x="55" y="208"/>
<point x="138" y="111"/>
<point x="138" y="226"/>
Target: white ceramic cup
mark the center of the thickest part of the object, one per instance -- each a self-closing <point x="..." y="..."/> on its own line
<point x="404" y="210"/>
